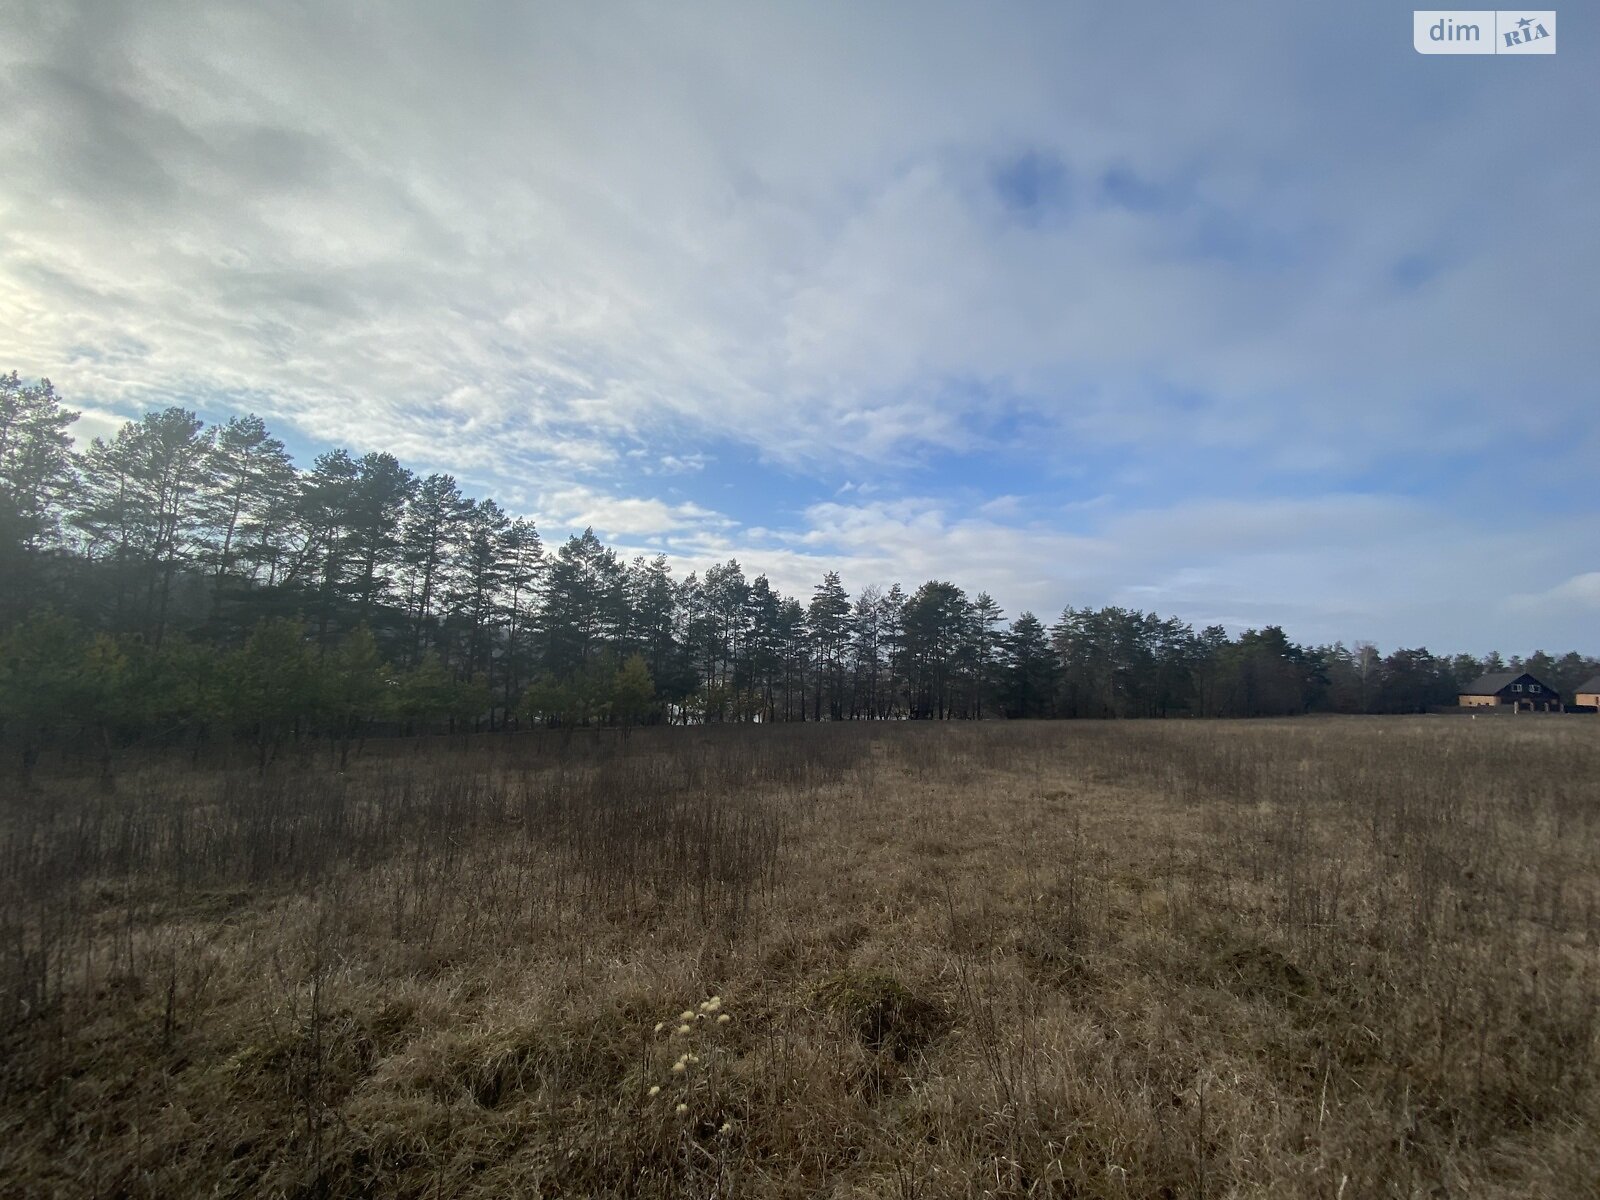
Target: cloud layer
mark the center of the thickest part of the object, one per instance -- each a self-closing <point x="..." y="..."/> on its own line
<point x="1246" y="315"/>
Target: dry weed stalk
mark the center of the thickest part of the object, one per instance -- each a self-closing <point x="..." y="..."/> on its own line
<point x="1339" y="957"/>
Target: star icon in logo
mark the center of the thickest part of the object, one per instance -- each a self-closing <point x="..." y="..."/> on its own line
<point x="1525" y="22"/>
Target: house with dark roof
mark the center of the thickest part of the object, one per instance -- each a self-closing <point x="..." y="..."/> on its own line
<point x="1515" y="688"/>
<point x="1588" y="694"/>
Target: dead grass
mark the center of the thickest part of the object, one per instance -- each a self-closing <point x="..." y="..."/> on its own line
<point x="1342" y="958"/>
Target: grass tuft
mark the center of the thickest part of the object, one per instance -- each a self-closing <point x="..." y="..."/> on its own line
<point x="883" y="1013"/>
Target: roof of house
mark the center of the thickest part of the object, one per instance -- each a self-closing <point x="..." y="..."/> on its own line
<point x="1592" y="685"/>
<point x="1493" y="684"/>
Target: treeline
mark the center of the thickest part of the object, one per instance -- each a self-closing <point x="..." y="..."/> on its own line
<point x="181" y="579"/>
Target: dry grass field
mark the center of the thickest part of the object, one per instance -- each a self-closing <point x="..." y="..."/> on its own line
<point x="1337" y="958"/>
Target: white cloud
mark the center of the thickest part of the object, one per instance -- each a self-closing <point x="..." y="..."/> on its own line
<point x="1578" y="596"/>
<point x="524" y="243"/>
<point x="95" y="423"/>
<point x="625" y="516"/>
<point x="660" y="225"/>
<point x="1327" y="568"/>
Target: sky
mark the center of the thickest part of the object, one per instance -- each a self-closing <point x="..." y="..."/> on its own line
<point x="1246" y="314"/>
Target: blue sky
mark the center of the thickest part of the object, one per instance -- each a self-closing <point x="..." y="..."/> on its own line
<point x="1245" y="314"/>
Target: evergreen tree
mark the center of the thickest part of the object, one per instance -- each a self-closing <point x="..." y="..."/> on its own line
<point x="1027" y="686"/>
<point x="987" y="644"/>
<point x="378" y="497"/>
<point x="321" y="565"/>
<point x="249" y="490"/>
<point x="428" y="543"/>
<point x="36" y="480"/>
<point x="583" y="603"/>
<point x="935" y="625"/>
<point x="41" y="681"/>
<point x="357" y="688"/>
<point x="140" y="511"/>
<point x="273" y="685"/>
<point x="482" y="567"/>
<point x="524" y="569"/>
<point x="891" y="627"/>
<point x="828" y="622"/>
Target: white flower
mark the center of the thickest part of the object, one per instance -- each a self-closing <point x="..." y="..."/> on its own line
<point x="683" y="1030"/>
<point x="686" y="1015"/>
<point x="660" y="1025"/>
<point x="694" y="1058"/>
<point x="679" y="1067"/>
<point x="683" y="1110"/>
<point x="727" y="1128"/>
<point x="655" y="1091"/>
<point x="724" y="1019"/>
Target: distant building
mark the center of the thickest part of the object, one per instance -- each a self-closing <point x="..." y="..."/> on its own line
<point x="1515" y="688"/>
<point x="1588" y="694"/>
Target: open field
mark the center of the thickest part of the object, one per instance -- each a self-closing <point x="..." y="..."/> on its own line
<point x="1339" y="957"/>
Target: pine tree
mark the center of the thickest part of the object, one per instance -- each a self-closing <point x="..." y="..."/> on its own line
<point x="583" y="604"/>
<point x="828" y="621"/>
<point x="891" y="625"/>
<point x="140" y="510"/>
<point x="987" y="644"/>
<point x="378" y="497"/>
<point x="936" y="620"/>
<point x="36" y="478"/>
<point x="524" y="569"/>
<point x="428" y="542"/>
<point x="481" y="569"/>
<point x="249" y="489"/>
<point x="1027" y="683"/>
